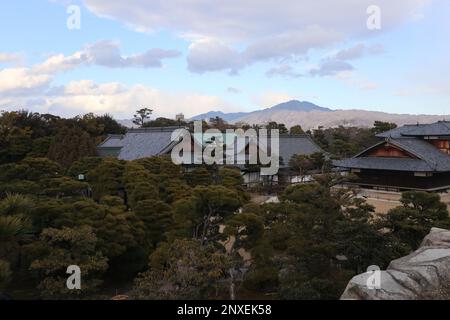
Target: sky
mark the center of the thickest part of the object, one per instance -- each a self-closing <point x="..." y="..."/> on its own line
<point x="192" y="56"/>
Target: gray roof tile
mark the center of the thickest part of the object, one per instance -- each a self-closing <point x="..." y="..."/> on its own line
<point x="440" y="128"/>
<point x="146" y="142"/>
<point x="297" y="144"/>
<point x="378" y="163"/>
<point x="112" y="141"/>
<point x="430" y="159"/>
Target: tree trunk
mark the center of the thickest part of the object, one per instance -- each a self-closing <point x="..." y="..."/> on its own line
<point x="232" y="285"/>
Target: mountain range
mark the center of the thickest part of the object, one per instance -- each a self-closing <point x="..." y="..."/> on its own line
<point x="310" y="115"/>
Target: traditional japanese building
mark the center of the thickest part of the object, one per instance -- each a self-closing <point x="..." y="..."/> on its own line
<point x="412" y="157"/>
<point x="149" y="142"/>
<point x="138" y="143"/>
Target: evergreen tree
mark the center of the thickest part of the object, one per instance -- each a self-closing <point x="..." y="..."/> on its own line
<point x="65" y="247"/>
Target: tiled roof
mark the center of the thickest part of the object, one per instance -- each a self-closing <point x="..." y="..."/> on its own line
<point x="440" y="128"/>
<point x="430" y="159"/>
<point x="297" y="144"/>
<point x="147" y="142"/>
<point x="112" y="141"/>
<point x="378" y="163"/>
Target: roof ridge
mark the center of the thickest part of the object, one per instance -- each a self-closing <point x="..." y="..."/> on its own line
<point x="155" y="129"/>
<point x="446" y="123"/>
<point x="432" y="163"/>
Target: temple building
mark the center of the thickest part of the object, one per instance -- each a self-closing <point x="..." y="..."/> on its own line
<point x="411" y="157"/>
<point x="156" y="141"/>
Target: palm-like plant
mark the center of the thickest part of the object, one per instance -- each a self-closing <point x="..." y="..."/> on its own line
<point x="15" y="204"/>
<point x="14" y="228"/>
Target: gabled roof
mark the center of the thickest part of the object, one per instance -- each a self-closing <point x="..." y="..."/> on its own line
<point x="440" y="128"/>
<point x="142" y="143"/>
<point x="428" y="158"/>
<point x="296" y="144"/>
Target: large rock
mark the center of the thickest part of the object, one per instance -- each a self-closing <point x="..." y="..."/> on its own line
<point x="424" y="274"/>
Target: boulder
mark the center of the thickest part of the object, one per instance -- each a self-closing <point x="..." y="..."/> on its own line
<point x="423" y="274"/>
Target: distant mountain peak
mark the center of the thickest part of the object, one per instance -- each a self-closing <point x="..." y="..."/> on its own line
<point x="293" y="105"/>
<point x="296" y="105"/>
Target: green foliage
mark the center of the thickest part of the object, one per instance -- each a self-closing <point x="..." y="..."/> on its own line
<point x="231" y="177"/>
<point x="25" y="134"/>
<point x="247" y="229"/>
<point x="98" y="126"/>
<point x="141" y="116"/>
<point x="313" y="226"/>
<point x="70" y="145"/>
<point x="65" y="247"/>
<point x="157" y="218"/>
<point x="40" y="147"/>
<point x="183" y="269"/>
<point x="380" y="126"/>
<point x="280" y="126"/>
<point x="200" y="215"/>
<point x="420" y="211"/>
<point x="14" y="232"/>
<point x="163" y="122"/>
<point x="48" y="212"/>
<point x="139" y="183"/>
<point x="83" y="166"/>
<point x="15" y="204"/>
<point x="111" y="225"/>
<point x="14" y="229"/>
<point x="107" y="178"/>
<point x="65" y="187"/>
<point x="344" y="142"/>
<point x="189" y="227"/>
<point x="198" y="176"/>
<point x="296" y="130"/>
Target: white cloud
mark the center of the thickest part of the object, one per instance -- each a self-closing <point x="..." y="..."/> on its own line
<point x="358" y="51"/>
<point x="238" y="20"/>
<point x="211" y="55"/>
<point x="105" y="53"/>
<point x="122" y="102"/>
<point x="231" y="34"/>
<point x="60" y="63"/>
<point x="10" y="57"/>
<point x="35" y="79"/>
<point x="84" y="96"/>
<point x="292" y="43"/>
<point x="31" y="87"/>
<point x="21" y="81"/>
<point x="331" y="68"/>
<point x="283" y="70"/>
